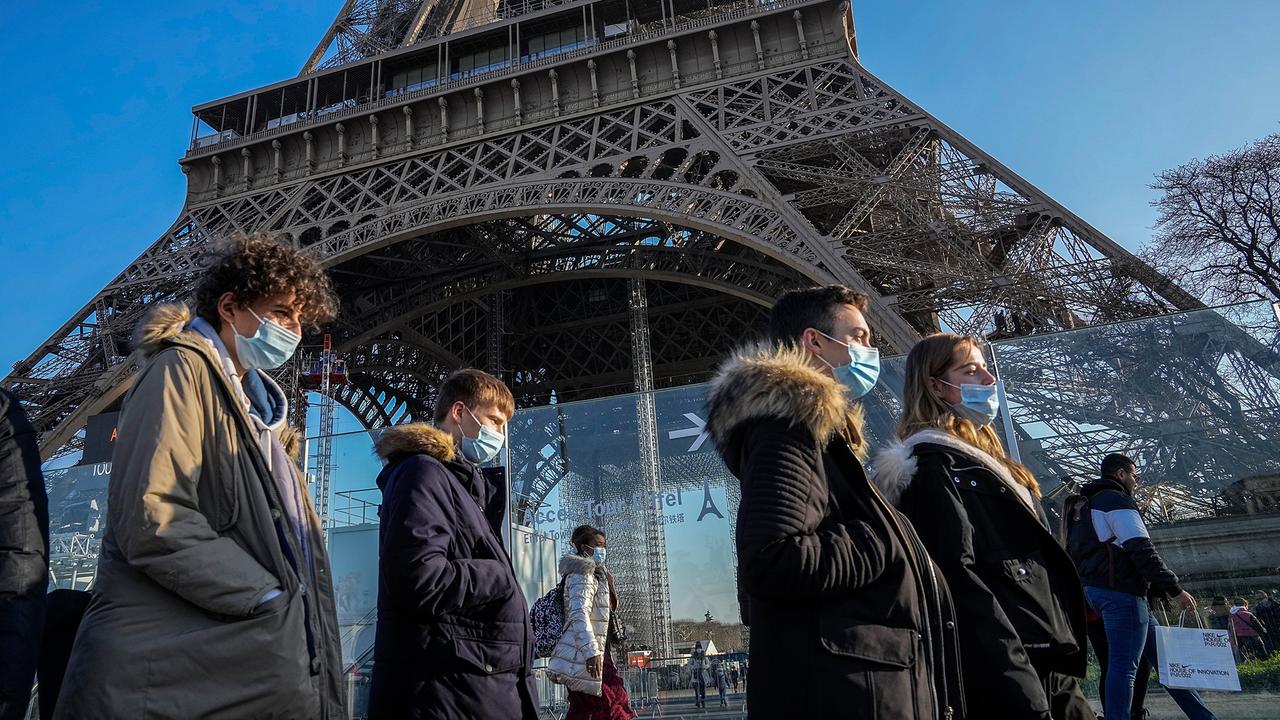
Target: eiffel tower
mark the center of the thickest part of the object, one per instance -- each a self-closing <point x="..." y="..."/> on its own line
<point x="594" y="197"/>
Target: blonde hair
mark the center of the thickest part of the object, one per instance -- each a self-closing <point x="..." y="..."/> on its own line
<point x="922" y="410"/>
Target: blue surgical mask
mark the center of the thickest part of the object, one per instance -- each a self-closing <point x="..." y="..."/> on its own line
<point x="862" y="371"/>
<point x="598" y="556"/>
<point x="979" y="404"/>
<point x="483" y="447"/>
<point x="268" y="348"/>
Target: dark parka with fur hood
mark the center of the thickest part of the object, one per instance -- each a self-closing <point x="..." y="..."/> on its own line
<point x="1019" y="600"/>
<point x="453" y="638"/>
<point x="848" y="617"/>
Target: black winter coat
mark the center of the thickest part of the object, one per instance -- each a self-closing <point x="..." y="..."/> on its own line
<point x="453" y="638"/>
<point x="1017" y="595"/>
<point x="24" y="555"/>
<point x="848" y="617"/>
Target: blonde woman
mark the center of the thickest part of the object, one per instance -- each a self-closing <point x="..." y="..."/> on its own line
<point x="1019" y="603"/>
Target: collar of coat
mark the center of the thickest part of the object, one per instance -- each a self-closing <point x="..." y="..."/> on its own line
<point x="415" y="439"/>
<point x="169" y="325"/>
<point x="572" y="564"/>
<point x="895" y="466"/>
<point x="765" y="380"/>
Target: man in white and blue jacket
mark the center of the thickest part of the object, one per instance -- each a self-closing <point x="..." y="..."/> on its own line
<point x="1121" y="569"/>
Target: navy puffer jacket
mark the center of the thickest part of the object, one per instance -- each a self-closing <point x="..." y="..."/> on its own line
<point x="453" y="638"/>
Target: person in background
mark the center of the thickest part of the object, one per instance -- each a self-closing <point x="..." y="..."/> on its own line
<point x="721" y="680"/>
<point x="1098" y="639"/>
<point x="848" y="615"/>
<point x="1121" y="571"/>
<point x="733" y="678"/>
<point x="1220" y="614"/>
<point x="1019" y="606"/>
<point x="453" y="638"/>
<point x="24" y="556"/>
<point x="698" y="674"/>
<point x="1249" y="632"/>
<point x="213" y="595"/>
<point x="581" y="660"/>
<point x="1268" y="613"/>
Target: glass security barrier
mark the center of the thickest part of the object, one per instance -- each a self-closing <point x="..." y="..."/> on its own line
<point x="1194" y="398"/>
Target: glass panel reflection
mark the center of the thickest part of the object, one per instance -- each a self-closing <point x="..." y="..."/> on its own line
<point x="1193" y="397"/>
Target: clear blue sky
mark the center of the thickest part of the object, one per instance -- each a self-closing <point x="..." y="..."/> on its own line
<point x="1087" y="100"/>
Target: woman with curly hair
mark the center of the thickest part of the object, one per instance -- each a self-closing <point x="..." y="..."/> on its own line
<point x="213" y="596"/>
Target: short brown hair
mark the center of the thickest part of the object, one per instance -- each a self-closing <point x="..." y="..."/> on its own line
<point x="798" y="310"/>
<point x="256" y="266"/>
<point x="473" y="387"/>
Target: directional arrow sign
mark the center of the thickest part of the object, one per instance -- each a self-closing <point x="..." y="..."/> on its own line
<point x="699" y="430"/>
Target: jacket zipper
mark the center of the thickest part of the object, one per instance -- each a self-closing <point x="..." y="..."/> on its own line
<point x="909" y="544"/>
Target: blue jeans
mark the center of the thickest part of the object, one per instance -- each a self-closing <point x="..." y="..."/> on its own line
<point x="1131" y="634"/>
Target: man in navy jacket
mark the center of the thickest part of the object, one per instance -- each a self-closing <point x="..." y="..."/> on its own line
<point x="453" y="638"/>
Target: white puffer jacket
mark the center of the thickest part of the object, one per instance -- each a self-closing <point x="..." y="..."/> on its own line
<point x="586" y="618"/>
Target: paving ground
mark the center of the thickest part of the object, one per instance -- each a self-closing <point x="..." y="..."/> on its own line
<point x="683" y="708"/>
<point x="1226" y="706"/>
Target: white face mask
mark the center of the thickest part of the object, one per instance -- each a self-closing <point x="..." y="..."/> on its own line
<point x="979" y="404"/>
<point x="485" y="446"/>
<point x="270" y="346"/>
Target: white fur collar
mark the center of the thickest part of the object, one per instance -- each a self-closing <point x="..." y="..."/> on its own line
<point x="895" y="466"/>
<point x="574" y="564"/>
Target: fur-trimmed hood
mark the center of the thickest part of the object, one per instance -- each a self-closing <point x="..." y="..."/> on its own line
<point x="766" y="380"/>
<point x="574" y="564"/>
<point x="895" y="465"/>
<point x="161" y="323"/>
<point x="415" y="438"/>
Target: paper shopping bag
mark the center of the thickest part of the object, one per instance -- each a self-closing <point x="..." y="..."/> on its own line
<point x="1196" y="659"/>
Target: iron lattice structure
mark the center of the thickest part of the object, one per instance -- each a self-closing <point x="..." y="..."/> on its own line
<point x="515" y="186"/>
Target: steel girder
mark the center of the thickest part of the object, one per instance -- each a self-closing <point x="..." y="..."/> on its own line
<point x="1195" y="399"/>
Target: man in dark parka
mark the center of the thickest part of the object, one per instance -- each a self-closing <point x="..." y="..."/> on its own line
<point x="848" y="616"/>
<point x="453" y="639"/>
<point x="24" y="556"/>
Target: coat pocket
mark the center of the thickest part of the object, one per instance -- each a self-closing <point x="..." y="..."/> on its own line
<point x="489" y="656"/>
<point x="892" y="646"/>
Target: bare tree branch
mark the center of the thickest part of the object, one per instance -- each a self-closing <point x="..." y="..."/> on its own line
<point x="1218" y="232"/>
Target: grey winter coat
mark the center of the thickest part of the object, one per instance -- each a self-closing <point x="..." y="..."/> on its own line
<point x="586" y="629"/>
<point x="195" y="539"/>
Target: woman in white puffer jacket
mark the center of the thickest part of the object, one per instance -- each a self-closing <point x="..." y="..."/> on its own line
<point x="581" y="660"/>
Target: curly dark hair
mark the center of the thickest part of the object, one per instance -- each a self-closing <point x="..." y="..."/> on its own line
<point x="256" y="266"/>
